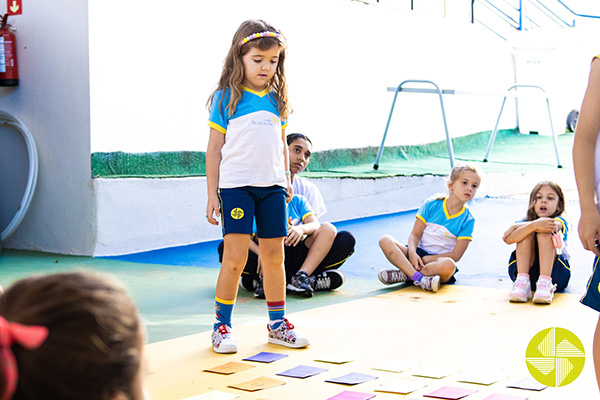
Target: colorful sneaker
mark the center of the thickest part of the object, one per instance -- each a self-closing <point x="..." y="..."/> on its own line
<point x="259" y="291"/>
<point x="285" y="335"/>
<point x="544" y="292"/>
<point x="521" y="290"/>
<point x="246" y="282"/>
<point x="429" y="283"/>
<point x="223" y="341"/>
<point x="391" y="276"/>
<point x="300" y="284"/>
<point x="328" y="280"/>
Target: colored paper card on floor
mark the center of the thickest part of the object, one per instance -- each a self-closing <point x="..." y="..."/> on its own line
<point x="433" y="372"/>
<point x="214" y="395"/>
<point x="395" y="366"/>
<point x="401" y="386"/>
<point x="502" y="396"/>
<point x="229" y="368"/>
<point x="338" y="358"/>
<point x="480" y="378"/>
<point x="353" y="378"/>
<point x="349" y="395"/>
<point x="450" y="393"/>
<point x="258" y="384"/>
<point x="266" y="357"/>
<point x="527" y="384"/>
<point x="302" y="371"/>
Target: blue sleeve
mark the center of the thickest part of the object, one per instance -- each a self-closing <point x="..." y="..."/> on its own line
<point x="565" y="228"/>
<point x="466" y="231"/>
<point x="218" y="118"/>
<point x="425" y="211"/>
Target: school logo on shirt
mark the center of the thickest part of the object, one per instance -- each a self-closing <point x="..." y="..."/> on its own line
<point x="237" y="213"/>
<point x="555" y="357"/>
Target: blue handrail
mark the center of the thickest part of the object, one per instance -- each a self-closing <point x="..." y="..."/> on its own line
<point x="576" y="14"/>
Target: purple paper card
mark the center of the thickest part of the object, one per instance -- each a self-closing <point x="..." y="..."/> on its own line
<point x="266" y="357"/>
<point x="349" y="395"/>
<point x="450" y="393"/>
<point x="527" y="384"/>
<point x="302" y="371"/>
<point x="352" y="378"/>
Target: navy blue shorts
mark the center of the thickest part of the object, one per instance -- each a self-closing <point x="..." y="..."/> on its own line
<point x="422" y="253"/>
<point x="591" y="298"/>
<point x="241" y="206"/>
<point x="561" y="271"/>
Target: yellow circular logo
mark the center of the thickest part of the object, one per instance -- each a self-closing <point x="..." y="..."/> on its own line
<point x="237" y="213"/>
<point x="555" y="357"/>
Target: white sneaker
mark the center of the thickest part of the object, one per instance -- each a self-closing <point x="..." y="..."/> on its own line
<point x="285" y="335"/>
<point x="521" y="290"/>
<point x="429" y="283"/>
<point x="544" y="293"/>
<point x="391" y="276"/>
<point x="223" y="341"/>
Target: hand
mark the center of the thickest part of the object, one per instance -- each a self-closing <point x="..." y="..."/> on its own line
<point x="290" y="192"/>
<point x="294" y="236"/>
<point x="213" y="207"/>
<point x="544" y="224"/>
<point x="589" y="231"/>
<point x="415" y="260"/>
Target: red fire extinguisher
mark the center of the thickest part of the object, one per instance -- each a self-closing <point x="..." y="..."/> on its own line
<point x="9" y="74"/>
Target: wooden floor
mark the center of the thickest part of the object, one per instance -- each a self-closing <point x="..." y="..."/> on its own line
<point x="465" y="330"/>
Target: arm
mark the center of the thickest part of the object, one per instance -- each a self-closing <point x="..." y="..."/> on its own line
<point x="308" y="226"/>
<point x="584" y="146"/>
<point x="413" y="243"/>
<point x="286" y="165"/>
<point x="213" y="160"/>
<point x="521" y="230"/>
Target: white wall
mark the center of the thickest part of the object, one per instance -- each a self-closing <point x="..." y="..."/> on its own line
<point x="53" y="101"/>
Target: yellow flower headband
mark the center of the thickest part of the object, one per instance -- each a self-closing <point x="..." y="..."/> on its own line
<point x="257" y="35"/>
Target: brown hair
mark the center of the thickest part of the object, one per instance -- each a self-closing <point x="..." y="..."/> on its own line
<point x="232" y="75"/>
<point x="93" y="347"/>
<point x="560" y="207"/>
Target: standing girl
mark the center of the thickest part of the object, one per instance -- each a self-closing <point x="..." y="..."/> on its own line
<point x="440" y="236"/>
<point x="247" y="174"/>
<point x="541" y="253"/>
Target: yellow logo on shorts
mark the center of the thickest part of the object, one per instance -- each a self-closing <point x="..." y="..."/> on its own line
<point x="555" y="357"/>
<point x="237" y="213"/>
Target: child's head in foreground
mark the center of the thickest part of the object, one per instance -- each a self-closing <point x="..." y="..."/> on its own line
<point x="463" y="182"/>
<point x="85" y="339"/>
<point x="546" y="200"/>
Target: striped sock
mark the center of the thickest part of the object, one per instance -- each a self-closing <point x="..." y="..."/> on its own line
<point x="416" y="276"/>
<point x="223" y="311"/>
<point x="276" y="313"/>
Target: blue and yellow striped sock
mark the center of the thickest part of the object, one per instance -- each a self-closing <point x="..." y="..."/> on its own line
<point x="276" y="313"/>
<point x="223" y="311"/>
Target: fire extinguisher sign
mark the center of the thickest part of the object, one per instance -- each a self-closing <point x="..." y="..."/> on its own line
<point x="14" y="7"/>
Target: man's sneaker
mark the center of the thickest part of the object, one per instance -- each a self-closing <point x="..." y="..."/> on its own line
<point x="328" y="280"/>
<point x="521" y="290"/>
<point x="223" y="341"/>
<point x="259" y="292"/>
<point x="391" y="276"/>
<point x="300" y="284"/>
<point x="246" y="282"/>
<point x="429" y="283"/>
<point x="544" y="292"/>
<point x="285" y="335"/>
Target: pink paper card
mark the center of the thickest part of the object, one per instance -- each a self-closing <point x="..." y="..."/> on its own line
<point x="229" y="368"/>
<point x="501" y="396"/>
<point x="258" y="384"/>
<point x="350" y="395"/>
<point x="450" y="393"/>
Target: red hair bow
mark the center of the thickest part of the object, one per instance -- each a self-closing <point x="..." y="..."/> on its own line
<point x="29" y="337"/>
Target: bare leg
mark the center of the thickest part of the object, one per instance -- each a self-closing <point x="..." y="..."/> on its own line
<point x="443" y="266"/>
<point x="271" y="255"/>
<point x="525" y="249"/>
<point x="596" y="352"/>
<point x="547" y="253"/>
<point x="397" y="254"/>
<point x="235" y="254"/>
